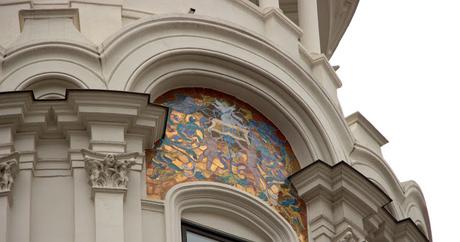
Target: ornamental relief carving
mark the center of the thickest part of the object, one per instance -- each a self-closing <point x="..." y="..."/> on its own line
<point x="348" y="237"/>
<point x="8" y="169"/>
<point x="108" y="170"/>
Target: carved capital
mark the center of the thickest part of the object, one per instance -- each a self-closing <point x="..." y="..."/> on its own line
<point x="9" y="167"/>
<point x="108" y="171"/>
<point x="347" y="236"/>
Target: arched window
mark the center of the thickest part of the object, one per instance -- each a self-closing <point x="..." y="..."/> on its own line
<point x="226" y="209"/>
<point x="193" y="232"/>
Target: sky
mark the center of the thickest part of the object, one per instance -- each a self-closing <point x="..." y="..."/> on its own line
<point x="399" y="65"/>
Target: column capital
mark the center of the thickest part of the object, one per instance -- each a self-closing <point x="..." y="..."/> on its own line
<point x="108" y="172"/>
<point x="9" y="167"/>
<point x="348" y="236"/>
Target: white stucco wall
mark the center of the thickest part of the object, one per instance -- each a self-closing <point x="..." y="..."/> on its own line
<point x="151" y="47"/>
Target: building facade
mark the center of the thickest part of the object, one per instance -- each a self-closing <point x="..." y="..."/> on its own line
<point x="188" y="120"/>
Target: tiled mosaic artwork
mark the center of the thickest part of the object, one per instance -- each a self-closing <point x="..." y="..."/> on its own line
<point x="215" y="137"/>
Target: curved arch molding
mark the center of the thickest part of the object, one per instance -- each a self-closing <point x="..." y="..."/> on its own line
<point x="211" y="136"/>
<point x="151" y="56"/>
<point x="226" y="198"/>
<point x="153" y="53"/>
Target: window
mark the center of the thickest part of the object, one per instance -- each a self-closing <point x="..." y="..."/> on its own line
<point x="231" y="210"/>
<point x="192" y="232"/>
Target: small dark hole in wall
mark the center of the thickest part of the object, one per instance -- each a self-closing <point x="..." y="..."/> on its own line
<point x="191" y="11"/>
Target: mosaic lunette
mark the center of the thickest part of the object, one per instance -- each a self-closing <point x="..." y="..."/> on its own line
<point x="211" y="136"/>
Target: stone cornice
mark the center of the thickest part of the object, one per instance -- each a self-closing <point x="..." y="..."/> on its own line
<point x="153" y="205"/>
<point x="341" y="182"/>
<point x="358" y="118"/>
<point x="320" y="59"/>
<point x="283" y="18"/>
<point x="11" y="2"/>
<point x="338" y="181"/>
<point x="80" y="107"/>
<point x="115" y="3"/>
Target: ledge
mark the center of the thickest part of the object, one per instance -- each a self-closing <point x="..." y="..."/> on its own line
<point x="153" y="205"/>
<point x="372" y="132"/>
<point x="332" y="180"/>
<point x="317" y="59"/>
<point x="289" y="24"/>
<point x="79" y="112"/>
<point x="341" y="181"/>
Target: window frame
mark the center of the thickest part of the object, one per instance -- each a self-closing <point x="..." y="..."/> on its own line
<point x="262" y="218"/>
<point x="208" y="232"/>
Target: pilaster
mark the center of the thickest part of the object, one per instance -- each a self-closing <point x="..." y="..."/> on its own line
<point x="108" y="177"/>
<point x="6" y="139"/>
<point x="345" y="206"/>
<point x="8" y="170"/>
<point x="25" y="145"/>
<point x="338" y="200"/>
<point x="4" y="215"/>
<point x="133" y="206"/>
<point x="108" y="205"/>
<point x="84" y="224"/>
<point x="106" y="125"/>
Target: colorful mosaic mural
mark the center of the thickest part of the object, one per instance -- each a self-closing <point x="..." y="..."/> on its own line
<point x="215" y="137"/>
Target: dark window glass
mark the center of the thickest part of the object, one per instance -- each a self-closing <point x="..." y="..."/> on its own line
<point x="192" y="232"/>
<point x="192" y="237"/>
